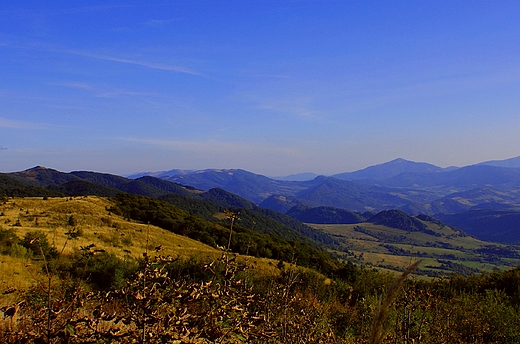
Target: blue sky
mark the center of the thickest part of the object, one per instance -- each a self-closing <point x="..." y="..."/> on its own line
<point x="273" y="87"/>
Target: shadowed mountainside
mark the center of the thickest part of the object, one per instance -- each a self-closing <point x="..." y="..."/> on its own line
<point x="491" y="225"/>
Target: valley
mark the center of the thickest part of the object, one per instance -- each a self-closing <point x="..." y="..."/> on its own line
<point x="441" y="249"/>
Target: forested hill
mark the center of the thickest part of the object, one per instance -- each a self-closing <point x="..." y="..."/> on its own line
<point x="276" y="242"/>
<point x="13" y="187"/>
<point x="251" y="216"/>
<point x="65" y="183"/>
<point x="325" y="215"/>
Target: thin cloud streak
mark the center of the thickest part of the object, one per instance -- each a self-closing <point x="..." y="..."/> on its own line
<point x="298" y="107"/>
<point x="102" y="93"/>
<point x="63" y="11"/>
<point x="119" y="93"/>
<point x="13" y="124"/>
<point x="159" y="22"/>
<point x="290" y="108"/>
<point x="79" y="85"/>
<point x="159" y="66"/>
<point x="213" y="147"/>
<point x="383" y="97"/>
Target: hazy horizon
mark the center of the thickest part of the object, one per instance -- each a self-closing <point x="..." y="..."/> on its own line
<point x="134" y="173"/>
<point x="275" y="88"/>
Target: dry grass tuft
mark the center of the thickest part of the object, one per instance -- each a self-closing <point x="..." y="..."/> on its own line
<point x="378" y="327"/>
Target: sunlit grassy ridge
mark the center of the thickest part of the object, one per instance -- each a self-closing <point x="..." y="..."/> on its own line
<point x="97" y="225"/>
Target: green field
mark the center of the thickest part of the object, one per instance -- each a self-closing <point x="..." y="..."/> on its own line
<point x="442" y="249"/>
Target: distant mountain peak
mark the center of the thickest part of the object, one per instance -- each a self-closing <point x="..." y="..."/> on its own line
<point x="38" y="168"/>
<point x="398" y="160"/>
<point x="403" y="161"/>
<point x="389" y="169"/>
<point x="511" y="162"/>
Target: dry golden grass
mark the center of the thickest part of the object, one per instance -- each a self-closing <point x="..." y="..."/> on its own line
<point x="16" y="274"/>
<point x="98" y="226"/>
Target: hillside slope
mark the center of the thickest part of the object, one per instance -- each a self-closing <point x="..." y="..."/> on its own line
<point x="94" y="224"/>
<point x="98" y="226"/>
<point x="488" y="224"/>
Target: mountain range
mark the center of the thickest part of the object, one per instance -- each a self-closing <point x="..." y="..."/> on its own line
<point x="413" y="187"/>
<point x="456" y="195"/>
<point x="399" y="184"/>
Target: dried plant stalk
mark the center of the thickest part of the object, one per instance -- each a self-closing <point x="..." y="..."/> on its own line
<point x="378" y="327"/>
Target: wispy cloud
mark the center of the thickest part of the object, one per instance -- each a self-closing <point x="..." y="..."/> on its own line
<point x="104" y="57"/>
<point x="160" y="66"/>
<point x="301" y="107"/>
<point x="3" y="148"/>
<point x="214" y="146"/>
<point x="158" y="22"/>
<point x="267" y="76"/>
<point x="14" y="124"/>
<point x="25" y="13"/>
<point x="79" y="85"/>
<point x="288" y="107"/>
<point x="116" y="93"/>
<point x="100" y="92"/>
